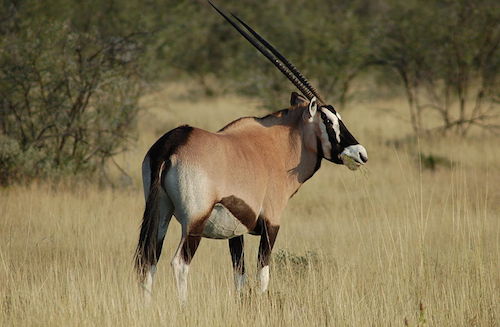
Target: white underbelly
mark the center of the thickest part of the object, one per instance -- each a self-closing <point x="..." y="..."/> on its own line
<point x="222" y="224"/>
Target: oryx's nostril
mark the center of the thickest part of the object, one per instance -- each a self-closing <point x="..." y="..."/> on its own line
<point x="363" y="158"/>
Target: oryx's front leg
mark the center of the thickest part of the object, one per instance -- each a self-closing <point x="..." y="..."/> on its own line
<point x="267" y="239"/>
<point x="180" y="263"/>
<point x="237" y="257"/>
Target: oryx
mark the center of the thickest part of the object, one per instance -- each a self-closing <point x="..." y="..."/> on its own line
<point x="236" y="181"/>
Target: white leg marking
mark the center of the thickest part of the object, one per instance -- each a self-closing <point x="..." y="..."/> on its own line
<point x="239" y="281"/>
<point x="263" y="277"/>
<point x="148" y="284"/>
<point x="181" y="270"/>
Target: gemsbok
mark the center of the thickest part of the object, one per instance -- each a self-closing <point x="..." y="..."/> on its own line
<point x="236" y="181"/>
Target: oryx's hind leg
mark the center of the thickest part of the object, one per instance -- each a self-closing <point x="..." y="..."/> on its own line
<point x="166" y="211"/>
<point x="180" y="263"/>
<point x="237" y="257"/>
<point x="267" y="239"/>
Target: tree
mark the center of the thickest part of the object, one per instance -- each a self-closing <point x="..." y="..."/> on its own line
<point x="446" y="54"/>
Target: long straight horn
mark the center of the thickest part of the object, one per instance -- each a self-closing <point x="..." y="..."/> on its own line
<point x="296" y="81"/>
<point x="287" y="63"/>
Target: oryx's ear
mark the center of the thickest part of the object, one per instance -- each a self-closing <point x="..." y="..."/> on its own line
<point x="296" y="99"/>
<point x="311" y="110"/>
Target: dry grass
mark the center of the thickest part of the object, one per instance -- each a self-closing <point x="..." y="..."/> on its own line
<point x="396" y="244"/>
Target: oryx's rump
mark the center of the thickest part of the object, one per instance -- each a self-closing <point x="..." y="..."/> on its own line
<point x="155" y="162"/>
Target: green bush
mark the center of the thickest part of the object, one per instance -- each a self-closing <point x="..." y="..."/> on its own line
<point x="447" y="57"/>
<point x="68" y="100"/>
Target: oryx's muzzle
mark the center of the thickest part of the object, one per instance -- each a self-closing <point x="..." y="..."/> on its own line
<point x="354" y="156"/>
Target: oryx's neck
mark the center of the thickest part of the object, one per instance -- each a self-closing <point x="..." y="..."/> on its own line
<point x="301" y="143"/>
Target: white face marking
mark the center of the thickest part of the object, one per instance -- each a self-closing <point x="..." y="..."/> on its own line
<point x="325" y="142"/>
<point x="263" y="277"/>
<point x="351" y="156"/>
<point x="335" y="122"/>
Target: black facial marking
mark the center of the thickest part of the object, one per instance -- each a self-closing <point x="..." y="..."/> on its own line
<point x="329" y="129"/>
<point x="346" y="138"/>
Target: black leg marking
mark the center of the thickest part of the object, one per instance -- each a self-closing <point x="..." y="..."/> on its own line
<point x="189" y="248"/>
<point x="267" y="239"/>
<point x="237" y="255"/>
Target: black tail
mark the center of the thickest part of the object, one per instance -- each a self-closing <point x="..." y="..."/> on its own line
<point x="145" y="254"/>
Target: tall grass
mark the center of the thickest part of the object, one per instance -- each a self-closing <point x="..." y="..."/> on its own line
<point x="395" y="244"/>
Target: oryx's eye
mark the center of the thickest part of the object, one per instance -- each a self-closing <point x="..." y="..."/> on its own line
<point x="328" y="121"/>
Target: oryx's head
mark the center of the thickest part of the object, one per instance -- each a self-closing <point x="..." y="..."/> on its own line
<point x="332" y="139"/>
<point x="336" y="142"/>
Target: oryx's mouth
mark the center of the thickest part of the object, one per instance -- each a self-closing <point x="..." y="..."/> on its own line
<point x="354" y="156"/>
<point x="350" y="162"/>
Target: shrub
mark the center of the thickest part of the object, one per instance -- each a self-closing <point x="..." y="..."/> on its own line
<point x="68" y="100"/>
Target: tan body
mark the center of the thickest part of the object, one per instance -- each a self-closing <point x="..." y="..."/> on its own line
<point x="225" y="184"/>
<point x="258" y="163"/>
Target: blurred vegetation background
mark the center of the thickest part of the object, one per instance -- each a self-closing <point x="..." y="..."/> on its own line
<point x="72" y="72"/>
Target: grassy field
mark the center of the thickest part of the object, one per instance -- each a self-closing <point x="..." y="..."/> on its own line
<point x="396" y="244"/>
